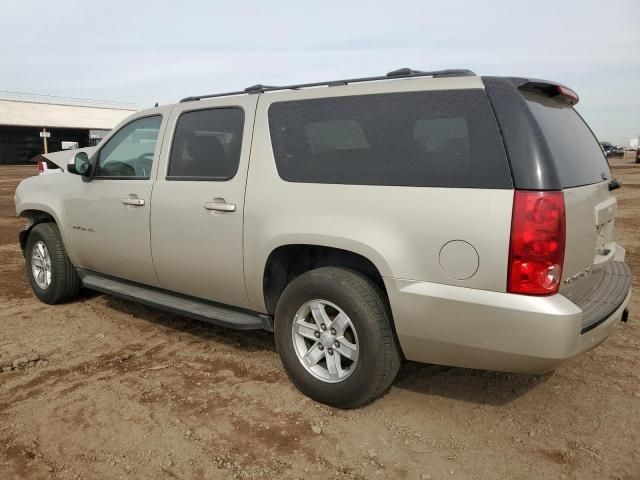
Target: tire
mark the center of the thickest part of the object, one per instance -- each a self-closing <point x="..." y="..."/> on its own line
<point x="63" y="282"/>
<point x="339" y="291"/>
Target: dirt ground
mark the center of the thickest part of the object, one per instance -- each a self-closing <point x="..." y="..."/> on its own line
<point x="106" y="388"/>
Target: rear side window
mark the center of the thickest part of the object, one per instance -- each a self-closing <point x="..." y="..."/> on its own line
<point x="206" y="145"/>
<point x="439" y="138"/>
<point x="576" y="152"/>
<point x="332" y="135"/>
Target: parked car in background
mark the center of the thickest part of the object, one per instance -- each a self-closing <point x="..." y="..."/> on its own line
<point x="439" y="217"/>
<point x="611" y="150"/>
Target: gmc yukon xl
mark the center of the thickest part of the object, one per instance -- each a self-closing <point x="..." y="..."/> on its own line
<point x="437" y="217"/>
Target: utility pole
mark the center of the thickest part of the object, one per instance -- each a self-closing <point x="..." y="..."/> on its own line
<point x="44" y="134"/>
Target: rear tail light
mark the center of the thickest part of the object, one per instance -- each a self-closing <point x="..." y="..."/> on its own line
<point x="536" y="252"/>
<point x="40" y="166"/>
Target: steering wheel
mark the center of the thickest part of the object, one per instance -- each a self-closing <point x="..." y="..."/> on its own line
<point x="118" y="169"/>
<point x="139" y="162"/>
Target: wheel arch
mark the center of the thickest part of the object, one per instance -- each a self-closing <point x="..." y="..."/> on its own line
<point x="34" y="216"/>
<point x="288" y="261"/>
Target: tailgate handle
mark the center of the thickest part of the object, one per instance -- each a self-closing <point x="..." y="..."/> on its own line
<point x="614" y="184"/>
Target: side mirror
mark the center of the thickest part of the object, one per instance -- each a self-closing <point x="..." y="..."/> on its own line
<point x="80" y="165"/>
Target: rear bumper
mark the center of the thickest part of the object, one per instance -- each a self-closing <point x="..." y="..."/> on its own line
<point x="604" y="297"/>
<point x="464" y="327"/>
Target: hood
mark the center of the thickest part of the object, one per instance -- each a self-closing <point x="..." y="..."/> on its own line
<point x="62" y="158"/>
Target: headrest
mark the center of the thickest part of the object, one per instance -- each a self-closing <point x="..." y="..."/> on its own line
<point x="207" y="149"/>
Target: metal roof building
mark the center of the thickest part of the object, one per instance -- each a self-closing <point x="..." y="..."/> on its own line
<point x="33" y="124"/>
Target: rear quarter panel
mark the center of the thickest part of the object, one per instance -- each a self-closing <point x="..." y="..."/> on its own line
<point x="400" y="229"/>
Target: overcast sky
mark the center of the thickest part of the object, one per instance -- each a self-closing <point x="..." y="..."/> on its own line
<point x="148" y="51"/>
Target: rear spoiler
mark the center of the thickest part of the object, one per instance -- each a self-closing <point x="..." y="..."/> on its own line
<point x="550" y="89"/>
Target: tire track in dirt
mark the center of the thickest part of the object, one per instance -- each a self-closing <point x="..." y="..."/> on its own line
<point x="134" y="392"/>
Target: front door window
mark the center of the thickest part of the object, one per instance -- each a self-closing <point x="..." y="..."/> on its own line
<point x="129" y="153"/>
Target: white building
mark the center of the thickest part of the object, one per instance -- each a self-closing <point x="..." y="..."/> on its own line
<point x="29" y="124"/>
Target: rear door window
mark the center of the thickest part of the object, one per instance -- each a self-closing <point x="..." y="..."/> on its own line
<point x="576" y="153"/>
<point x="207" y="144"/>
<point x="437" y="138"/>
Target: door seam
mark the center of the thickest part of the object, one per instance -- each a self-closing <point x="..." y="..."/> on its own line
<point x="153" y="184"/>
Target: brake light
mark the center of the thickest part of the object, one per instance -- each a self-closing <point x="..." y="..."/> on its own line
<point x="40" y="166"/>
<point x="536" y="252"/>
<point x="570" y="95"/>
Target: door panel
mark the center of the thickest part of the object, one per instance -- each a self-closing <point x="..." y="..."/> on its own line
<point x="109" y="215"/>
<point x="198" y="200"/>
<point x="108" y="236"/>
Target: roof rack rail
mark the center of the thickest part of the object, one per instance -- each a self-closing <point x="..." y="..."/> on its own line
<point x="258" y="88"/>
<point x="400" y="73"/>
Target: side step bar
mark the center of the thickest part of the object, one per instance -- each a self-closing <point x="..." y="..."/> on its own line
<point x="199" y="309"/>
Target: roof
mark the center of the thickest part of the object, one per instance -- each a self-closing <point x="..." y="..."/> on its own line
<point x="37" y="114"/>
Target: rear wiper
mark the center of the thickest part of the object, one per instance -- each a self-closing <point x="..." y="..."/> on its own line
<point x="614" y="184"/>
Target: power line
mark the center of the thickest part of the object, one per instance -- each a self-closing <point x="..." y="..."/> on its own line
<point x="45" y="98"/>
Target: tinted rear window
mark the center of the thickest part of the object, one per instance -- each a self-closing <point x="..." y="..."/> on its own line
<point x="575" y="151"/>
<point x="206" y="145"/>
<point x="438" y="138"/>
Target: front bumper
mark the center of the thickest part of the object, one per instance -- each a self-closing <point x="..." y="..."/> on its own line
<point x="464" y="327"/>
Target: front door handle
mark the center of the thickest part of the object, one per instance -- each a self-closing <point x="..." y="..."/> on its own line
<point x="220" y="205"/>
<point x="136" y="202"/>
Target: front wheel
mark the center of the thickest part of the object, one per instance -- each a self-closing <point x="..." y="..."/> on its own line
<point x="52" y="276"/>
<point x="334" y="336"/>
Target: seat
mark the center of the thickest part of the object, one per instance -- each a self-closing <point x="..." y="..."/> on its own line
<point x="208" y="157"/>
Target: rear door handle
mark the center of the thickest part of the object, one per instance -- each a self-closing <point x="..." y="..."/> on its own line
<point x="220" y="205"/>
<point x="136" y="202"/>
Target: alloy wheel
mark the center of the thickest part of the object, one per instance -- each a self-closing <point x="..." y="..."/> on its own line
<point x="325" y="341"/>
<point x="41" y="265"/>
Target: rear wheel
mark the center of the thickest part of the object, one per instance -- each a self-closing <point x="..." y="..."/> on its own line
<point x="333" y="332"/>
<point x="52" y="276"/>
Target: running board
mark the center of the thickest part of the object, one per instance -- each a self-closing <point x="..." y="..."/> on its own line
<point x="199" y="309"/>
